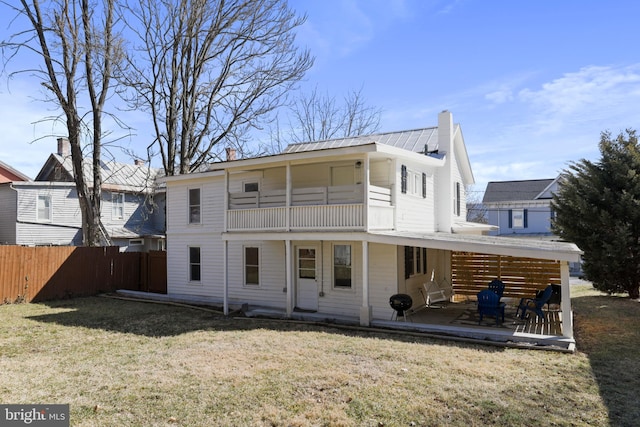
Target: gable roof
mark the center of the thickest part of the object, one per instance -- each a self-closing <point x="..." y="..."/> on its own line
<point x="412" y="140"/>
<point x="510" y="191"/>
<point x="115" y="175"/>
<point x="7" y="173"/>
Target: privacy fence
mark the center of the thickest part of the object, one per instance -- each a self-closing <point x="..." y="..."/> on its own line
<point x="472" y="272"/>
<point x="33" y="274"/>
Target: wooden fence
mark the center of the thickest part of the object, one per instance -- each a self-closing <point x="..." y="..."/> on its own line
<point x="45" y="273"/>
<point x="522" y="277"/>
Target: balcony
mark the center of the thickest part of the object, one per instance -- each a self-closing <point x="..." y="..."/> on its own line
<point x="335" y="208"/>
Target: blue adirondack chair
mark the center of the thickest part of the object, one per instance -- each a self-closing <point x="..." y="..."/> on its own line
<point x="489" y="304"/>
<point x="535" y="304"/>
<point x="497" y="286"/>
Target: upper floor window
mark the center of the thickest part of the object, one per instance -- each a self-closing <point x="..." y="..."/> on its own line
<point x="117" y="204"/>
<point x="194" y="206"/>
<point x="412" y="182"/>
<point x="342" y="266"/>
<point x="44" y="208"/>
<point x="251" y="186"/>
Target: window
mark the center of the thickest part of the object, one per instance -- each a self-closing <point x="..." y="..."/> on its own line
<point x="251" y="265"/>
<point x="251" y="186"/>
<point x="194" y="264"/>
<point x="44" y="208"/>
<point x="117" y="204"/>
<point x="403" y="179"/>
<point x="342" y="266"/>
<point x="517" y="218"/>
<point x="194" y="206"/>
<point x="136" y="242"/>
<point x="415" y="261"/>
<point x="412" y="182"/>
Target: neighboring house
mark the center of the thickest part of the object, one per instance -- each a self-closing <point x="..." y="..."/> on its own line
<point x="523" y="209"/>
<point x="46" y="211"/>
<point x="333" y="227"/>
<point x="9" y="174"/>
<point x="520" y="208"/>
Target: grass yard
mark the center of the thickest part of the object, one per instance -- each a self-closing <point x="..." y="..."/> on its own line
<point x="125" y="363"/>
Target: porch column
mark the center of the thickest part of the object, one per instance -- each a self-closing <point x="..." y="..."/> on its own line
<point x="289" y="277"/>
<point x="225" y="278"/>
<point x="288" y="197"/>
<point x="365" y="188"/>
<point x="365" y="310"/>
<point x="565" y="305"/>
<point x="226" y="201"/>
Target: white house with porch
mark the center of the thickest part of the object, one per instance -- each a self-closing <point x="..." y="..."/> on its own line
<point x="334" y="228"/>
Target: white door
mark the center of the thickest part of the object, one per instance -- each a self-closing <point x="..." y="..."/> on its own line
<point x="306" y="278"/>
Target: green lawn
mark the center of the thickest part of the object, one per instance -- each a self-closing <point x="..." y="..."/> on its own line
<point x="125" y="363"/>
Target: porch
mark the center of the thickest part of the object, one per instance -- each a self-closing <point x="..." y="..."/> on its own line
<point x="455" y="321"/>
<point x="343" y="207"/>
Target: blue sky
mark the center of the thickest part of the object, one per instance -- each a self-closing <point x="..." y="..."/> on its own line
<point x="532" y="83"/>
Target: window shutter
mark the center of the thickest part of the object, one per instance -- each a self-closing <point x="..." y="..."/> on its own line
<point x="403" y="179"/>
<point x="525" y="220"/>
<point x="424" y="260"/>
<point x="408" y="261"/>
<point x="424" y="185"/>
<point x="458" y="198"/>
<point x="510" y="218"/>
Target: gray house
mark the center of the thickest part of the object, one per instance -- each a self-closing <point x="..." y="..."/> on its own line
<point x="46" y="211"/>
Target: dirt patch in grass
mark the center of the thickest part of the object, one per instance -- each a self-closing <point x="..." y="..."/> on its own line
<point x="130" y="363"/>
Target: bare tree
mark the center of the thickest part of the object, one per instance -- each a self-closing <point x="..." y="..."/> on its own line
<point x="208" y="71"/>
<point x="476" y="211"/>
<point x="75" y="41"/>
<point x="317" y="117"/>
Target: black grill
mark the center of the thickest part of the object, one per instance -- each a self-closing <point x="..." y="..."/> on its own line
<point x="400" y="303"/>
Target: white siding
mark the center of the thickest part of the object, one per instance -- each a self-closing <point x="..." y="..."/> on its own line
<point x="383" y="279"/>
<point x="205" y="235"/>
<point x="269" y="292"/>
<point x="65" y="226"/>
<point x="413" y="212"/>
<point x="8" y="202"/>
<point x="345" y="302"/>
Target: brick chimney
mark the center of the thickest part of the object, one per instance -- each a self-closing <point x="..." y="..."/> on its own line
<point x="231" y="153"/>
<point x="64" y="148"/>
<point x="138" y="162"/>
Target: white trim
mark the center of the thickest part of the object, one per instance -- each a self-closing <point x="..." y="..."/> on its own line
<point x="351" y="287"/>
<point x="199" y="188"/>
<point x="495" y="245"/>
<point x="244" y="266"/>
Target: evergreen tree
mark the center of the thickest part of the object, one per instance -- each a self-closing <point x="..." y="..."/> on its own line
<point x="598" y="208"/>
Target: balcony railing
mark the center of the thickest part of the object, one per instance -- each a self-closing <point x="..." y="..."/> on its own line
<point x="316" y="208"/>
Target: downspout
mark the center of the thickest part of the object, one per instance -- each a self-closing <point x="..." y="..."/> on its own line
<point x="289" y="277"/>
<point x="225" y="248"/>
<point x="365" y="310"/>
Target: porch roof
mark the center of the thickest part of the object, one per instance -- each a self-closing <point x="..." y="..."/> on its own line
<point x="493" y="245"/>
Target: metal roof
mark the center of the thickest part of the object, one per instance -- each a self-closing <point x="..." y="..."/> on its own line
<point x="115" y="175"/>
<point x="510" y="191"/>
<point x="411" y="140"/>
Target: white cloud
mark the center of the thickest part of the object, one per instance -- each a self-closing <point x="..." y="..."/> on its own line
<point x="591" y="89"/>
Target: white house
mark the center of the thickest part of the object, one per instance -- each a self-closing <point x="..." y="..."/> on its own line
<point x="520" y="208"/>
<point x="332" y="227"/>
<point x="47" y="212"/>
